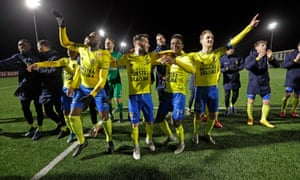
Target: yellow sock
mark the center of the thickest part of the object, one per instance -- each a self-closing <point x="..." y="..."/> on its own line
<point x="196" y="124"/>
<point x="39" y="128"/>
<point x="206" y="111"/>
<point x="149" y="130"/>
<point x="107" y="126"/>
<point x="63" y="128"/>
<point x="180" y="132"/>
<point x="265" y="111"/>
<point x="217" y="116"/>
<point x="95" y="125"/>
<point x="68" y="122"/>
<point x="295" y="104"/>
<point x="250" y="111"/>
<point x="32" y="125"/>
<point x="77" y="127"/>
<point x="209" y="126"/>
<point x="284" y="103"/>
<point x="135" y="135"/>
<point x="165" y="127"/>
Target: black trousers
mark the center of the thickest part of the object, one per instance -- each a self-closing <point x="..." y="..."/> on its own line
<point x="25" y="105"/>
<point x="235" y="95"/>
<point x="57" y="116"/>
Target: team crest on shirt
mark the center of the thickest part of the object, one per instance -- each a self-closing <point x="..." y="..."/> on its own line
<point x="99" y="54"/>
<point x="92" y="61"/>
<point x="147" y="61"/>
<point x="214" y="58"/>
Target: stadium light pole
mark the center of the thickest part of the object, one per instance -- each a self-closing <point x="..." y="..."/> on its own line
<point x="272" y="26"/>
<point x="33" y="4"/>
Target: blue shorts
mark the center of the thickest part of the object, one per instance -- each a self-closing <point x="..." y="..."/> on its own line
<point x="100" y="98"/>
<point x="265" y="97"/>
<point x="206" y="96"/>
<point x="172" y="102"/>
<point x="66" y="101"/>
<point x="140" y="102"/>
<point x="290" y="90"/>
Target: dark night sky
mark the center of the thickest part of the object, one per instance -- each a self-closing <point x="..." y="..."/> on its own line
<point x="123" y="19"/>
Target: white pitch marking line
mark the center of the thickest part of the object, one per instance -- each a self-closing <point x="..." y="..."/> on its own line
<point x="55" y="161"/>
<point x="8" y="87"/>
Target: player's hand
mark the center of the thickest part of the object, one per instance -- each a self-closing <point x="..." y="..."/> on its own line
<point x="297" y="58"/>
<point x="59" y="18"/>
<point x="86" y="101"/>
<point x="70" y="92"/>
<point x="254" y="22"/>
<point x="32" y="67"/>
<point x="261" y="54"/>
<point x="269" y="54"/>
<point x="167" y="59"/>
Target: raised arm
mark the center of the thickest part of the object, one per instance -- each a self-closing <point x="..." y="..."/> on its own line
<point x="63" y="36"/>
<point x="253" y="23"/>
<point x="8" y="62"/>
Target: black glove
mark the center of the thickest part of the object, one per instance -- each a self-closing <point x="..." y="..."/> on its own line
<point x="59" y="18"/>
<point x="86" y="101"/>
<point x="19" y="91"/>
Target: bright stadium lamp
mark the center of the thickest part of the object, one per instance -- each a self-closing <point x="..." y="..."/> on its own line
<point x="272" y="26"/>
<point x="33" y="4"/>
<point x="123" y="45"/>
<point x="101" y="32"/>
